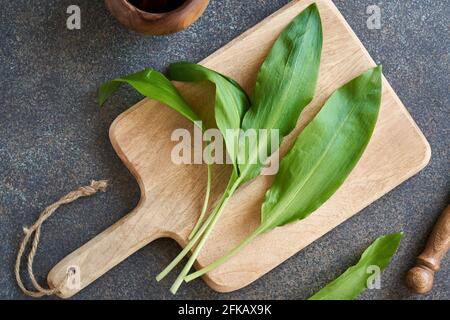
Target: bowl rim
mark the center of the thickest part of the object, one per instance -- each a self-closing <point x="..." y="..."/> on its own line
<point x="153" y="15"/>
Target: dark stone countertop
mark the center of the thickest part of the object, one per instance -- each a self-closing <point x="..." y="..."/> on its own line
<point x="53" y="138"/>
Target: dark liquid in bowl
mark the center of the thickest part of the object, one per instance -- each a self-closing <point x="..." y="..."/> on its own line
<point x="157" y="6"/>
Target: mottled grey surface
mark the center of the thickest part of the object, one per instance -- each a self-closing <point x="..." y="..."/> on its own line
<point x="53" y="138"/>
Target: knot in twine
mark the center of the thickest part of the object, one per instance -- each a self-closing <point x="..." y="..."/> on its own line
<point x="86" y="191"/>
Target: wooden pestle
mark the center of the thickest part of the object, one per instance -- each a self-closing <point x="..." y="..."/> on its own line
<point x="420" y="278"/>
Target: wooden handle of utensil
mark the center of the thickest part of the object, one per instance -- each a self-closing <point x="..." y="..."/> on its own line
<point x="420" y="278"/>
<point x="96" y="257"/>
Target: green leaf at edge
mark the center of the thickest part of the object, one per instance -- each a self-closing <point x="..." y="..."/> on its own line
<point x="353" y="282"/>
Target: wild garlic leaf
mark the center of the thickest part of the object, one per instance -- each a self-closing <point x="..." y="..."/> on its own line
<point x="325" y="152"/>
<point x="353" y="282"/>
<point x="154" y="85"/>
<point x="321" y="159"/>
<point x="231" y="100"/>
<point x="151" y="84"/>
<point x="285" y="84"/>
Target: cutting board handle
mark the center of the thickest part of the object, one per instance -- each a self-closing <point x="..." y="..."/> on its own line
<point x="102" y="253"/>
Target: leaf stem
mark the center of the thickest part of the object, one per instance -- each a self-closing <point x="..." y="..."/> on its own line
<point x="209" y="227"/>
<point x="197" y="236"/>
<point x="226" y="257"/>
<point x="188" y="247"/>
<point x="205" y="204"/>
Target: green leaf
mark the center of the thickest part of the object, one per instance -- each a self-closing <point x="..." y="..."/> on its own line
<point x="155" y="85"/>
<point x="285" y="85"/>
<point x="322" y="157"/>
<point x="151" y="84"/>
<point x="325" y="153"/>
<point x="353" y="282"/>
<point x="231" y="100"/>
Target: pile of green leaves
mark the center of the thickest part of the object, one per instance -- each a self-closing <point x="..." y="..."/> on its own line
<point x="322" y="156"/>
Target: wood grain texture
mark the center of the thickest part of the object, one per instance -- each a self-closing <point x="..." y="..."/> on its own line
<point x="172" y="194"/>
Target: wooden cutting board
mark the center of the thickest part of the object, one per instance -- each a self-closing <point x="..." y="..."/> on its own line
<point x="172" y="194"/>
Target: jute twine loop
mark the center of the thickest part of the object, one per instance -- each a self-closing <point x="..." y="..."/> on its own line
<point x="35" y="229"/>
